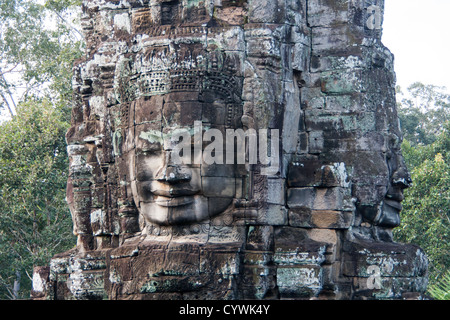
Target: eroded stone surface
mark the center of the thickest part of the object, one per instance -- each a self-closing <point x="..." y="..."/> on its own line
<point x="317" y="225"/>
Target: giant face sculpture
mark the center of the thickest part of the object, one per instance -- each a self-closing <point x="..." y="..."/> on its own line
<point x="180" y="85"/>
<point x="159" y="73"/>
<point x="350" y="115"/>
<point x="382" y="205"/>
<point x="379" y="171"/>
<point x="169" y="191"/>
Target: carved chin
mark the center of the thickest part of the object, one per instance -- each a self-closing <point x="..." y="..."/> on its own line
<point x="386" y="215"/>
<point x="390" y="216"/>
<point x="183" y="210"/>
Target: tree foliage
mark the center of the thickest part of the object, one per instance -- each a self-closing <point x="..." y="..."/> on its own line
<point x="38" y="44"/>
<point x="426" y="208"/>
<point x="423" y="111"/>
<point x="441" y="290"/>
<point x="35" y="222"/>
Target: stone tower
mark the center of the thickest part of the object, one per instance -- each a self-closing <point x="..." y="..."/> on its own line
<point x="312" y="77"/>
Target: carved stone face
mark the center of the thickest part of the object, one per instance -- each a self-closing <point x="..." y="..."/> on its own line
<point x="169" y="192"/>
<point x="379" y="198"/>
<point x="191" y="85"/>
<point x="380" y="171"/>
<point x="317" y="72"/>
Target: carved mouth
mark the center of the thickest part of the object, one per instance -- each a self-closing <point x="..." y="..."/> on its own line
<point x="395" y="195"/>
<point x="390" y="214"/>
<point x="173" y="201"/>
<point x="395" y="204"/>
<point x="174" y="192"/>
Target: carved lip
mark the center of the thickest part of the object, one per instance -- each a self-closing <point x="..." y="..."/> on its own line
<point x="174" y="192"/>
<point x="394" y="204"/>
<point x="173" y="201"/>
<point x="395" y="195"/>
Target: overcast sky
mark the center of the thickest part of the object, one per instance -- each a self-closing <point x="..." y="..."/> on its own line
<point x="417" y="32"/>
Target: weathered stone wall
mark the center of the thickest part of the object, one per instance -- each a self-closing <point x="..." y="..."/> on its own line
<point x="319" y="226"/>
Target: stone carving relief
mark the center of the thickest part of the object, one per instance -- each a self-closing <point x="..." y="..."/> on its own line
<point x="149" y="227"/>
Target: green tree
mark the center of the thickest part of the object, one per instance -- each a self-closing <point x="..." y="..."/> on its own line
<point x="426" y="148"/>
<point x="38" y="44"/>
<point x="35" y="222"/>
<point x="441" y="289"/>
<point x="423" y="111"/>
<point x="426" y="213"/>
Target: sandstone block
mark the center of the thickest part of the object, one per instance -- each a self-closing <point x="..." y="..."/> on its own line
<point x="327" y="13"/>
<point x="322" y="219"/>
<point x="299" y="282"/>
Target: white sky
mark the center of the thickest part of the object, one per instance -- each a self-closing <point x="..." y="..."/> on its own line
<point x="417" y="32"/>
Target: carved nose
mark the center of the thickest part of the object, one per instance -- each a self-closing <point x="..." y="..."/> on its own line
<point x="401" y="180"/>
<point x="174" y="174"/>
<point x="401" y="177"/>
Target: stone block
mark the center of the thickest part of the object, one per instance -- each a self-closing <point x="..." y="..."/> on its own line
<point x="322" y="219"/>
<point x="342" y="81"/>
<point x="363" y="259"/>
<point x="311" y="173"/>
<point x="324" y="236"/>
<point x="300" y="217"/>
<point x="351" y="60"/>
<point x="152" y="106"/>
<point x="328" y="219"/>
<point x="232" y="15"/>
<point x="263" y="40"/>
<point x="99" y="222"/>
<point x="40" y="282"/>
<point x="276" y="191"/>
<point x="182" y="113"/>
<point x="260" y="238"/>
<point x="387" y="288"/>
<point x="219" y="170"/>
<point x="327" y="12"/>
<point x="263" y="11"/>
<point x="293" y="246"/>
<point x="225" y="262"/>
<point x="299" y="282"/>
<point x="291" y="118"/>
<point x="336" y="40"/>
<point x="332" y="121"/>
<point x="344" y="103"/>
<point x="220" y="234"/>
<point x="300" y="197"/>
<point x="302" y="147"/>
<point x="299" y="56"/>
<point x="312" y="98"/>
<point x="315" y="142"/>
<point x="258" y="282"/>
<point x="328" y="199"/>
<point x="317" y="198"/>
<point x="272" y="214"/>
<point x="87" y="285"/>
